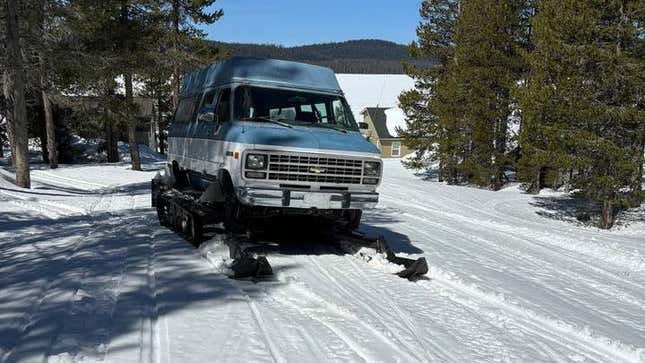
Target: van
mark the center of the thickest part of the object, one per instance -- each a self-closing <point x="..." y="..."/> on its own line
<point x="273" y="137"/>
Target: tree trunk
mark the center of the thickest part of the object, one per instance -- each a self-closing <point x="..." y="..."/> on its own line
<point x="16" y="73"/>
<point x="636" y="197"/>
<point x="110" y="140"/>
<point x="50" y="128"/>
<point x="6" y="91"/>
<point x="536" y="184"/>
<point x="43" y="145"/>
<point x="607" y="217"/>
<point x="161" y="128"/>
<point x="174" y="81"/>
<point x="132" y="140"/>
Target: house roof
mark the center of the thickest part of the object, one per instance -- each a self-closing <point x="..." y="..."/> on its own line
<point x="379" y="119"/>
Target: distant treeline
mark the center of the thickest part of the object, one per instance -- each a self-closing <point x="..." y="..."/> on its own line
<point x="354" y="56"/>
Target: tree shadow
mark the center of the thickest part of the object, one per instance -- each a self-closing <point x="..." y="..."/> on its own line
<point x="73" y="285"/>
<point x="428" y="174"/>
<point x="78" y="284"/>
<point x="566" y="209"/>
<point x="582" y="212"/>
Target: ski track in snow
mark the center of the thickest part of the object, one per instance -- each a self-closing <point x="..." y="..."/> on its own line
<point x="505" y="284"/>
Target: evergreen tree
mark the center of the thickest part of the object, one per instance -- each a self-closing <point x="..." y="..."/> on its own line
<point x="187" y="46"/>
<point x="582" y="104"/>
<point x="459" y="110"/>
<point x="486" y="67"/>
<point x="434" y="48"/>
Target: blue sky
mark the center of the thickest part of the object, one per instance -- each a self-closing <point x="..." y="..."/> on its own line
<point x="297" y="22"/>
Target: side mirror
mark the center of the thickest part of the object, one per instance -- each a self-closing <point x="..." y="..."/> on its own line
<point x="363" y="128"/>
<point x="206" y="114"/>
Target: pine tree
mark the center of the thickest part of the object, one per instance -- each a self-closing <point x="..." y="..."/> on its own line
<point x="486" y="67"/>
<point x="582" y="104"/>
<point x="459" y="109"/>
<point x="434" y="49"/>
<point x="187" y="48"/>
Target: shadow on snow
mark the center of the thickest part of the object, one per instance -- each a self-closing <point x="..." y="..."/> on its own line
<point x="73" y="285"/>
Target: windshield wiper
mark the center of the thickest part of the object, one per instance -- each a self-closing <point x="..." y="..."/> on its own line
<point x="266" y="119"/>
<point x="329" y="126"/>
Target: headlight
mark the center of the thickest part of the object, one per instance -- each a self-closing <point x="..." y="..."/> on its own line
<point x="256" y="161"/>
<point x="371" y="168"/>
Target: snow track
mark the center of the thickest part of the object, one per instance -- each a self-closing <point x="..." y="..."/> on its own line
<point x="88" y="275"/>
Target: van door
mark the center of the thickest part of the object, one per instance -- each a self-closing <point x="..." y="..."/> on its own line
<point x="217" y="151"/>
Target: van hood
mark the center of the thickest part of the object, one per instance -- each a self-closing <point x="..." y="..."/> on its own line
<point x="306" y="137"/>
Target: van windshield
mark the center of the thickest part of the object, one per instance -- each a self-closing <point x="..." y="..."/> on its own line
<point x="293" y="108"/>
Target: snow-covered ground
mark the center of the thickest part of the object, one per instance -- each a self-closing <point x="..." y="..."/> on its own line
<point x="88" y="275"/>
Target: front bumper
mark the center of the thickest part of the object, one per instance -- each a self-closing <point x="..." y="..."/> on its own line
<point x="290" y="198"/>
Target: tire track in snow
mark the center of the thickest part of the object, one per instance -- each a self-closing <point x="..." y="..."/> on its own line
<point x="402" y="316"/>
<point x="64" y="181"/>
<point x="267" y="306"/>
<point x="632" y="300"/>
<point x="528" y="260"/>
<point x="631" y="260"/>
<point x="275" y="353"/>
<point x="582" y="338"/>
<point x="530" y="243"/>
<point x="325" y="273"/>
<point x="553" y="330"/>
<point x="33" y="318"/>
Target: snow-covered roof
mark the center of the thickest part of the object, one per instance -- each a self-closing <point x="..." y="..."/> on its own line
<point x="373" y="90"/>
<point x="394" y="118"/>
<point x="368" y="91"/>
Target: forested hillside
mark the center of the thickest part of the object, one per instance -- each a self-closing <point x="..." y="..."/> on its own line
<point x="354" y="56"/>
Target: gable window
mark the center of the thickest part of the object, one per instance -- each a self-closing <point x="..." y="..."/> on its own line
<point x="396" y="148"/>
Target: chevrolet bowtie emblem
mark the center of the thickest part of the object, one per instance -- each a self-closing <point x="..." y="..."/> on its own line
<point x="316" y="170"/>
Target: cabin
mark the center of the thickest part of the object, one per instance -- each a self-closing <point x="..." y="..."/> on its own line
<point x="380" y="125"/>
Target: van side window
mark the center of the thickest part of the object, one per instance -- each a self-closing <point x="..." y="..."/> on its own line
<point x="185" y="109"/>
<point x="222" y="111"/>
<point x="209" y="98"/>
<point x="321" y="112"/>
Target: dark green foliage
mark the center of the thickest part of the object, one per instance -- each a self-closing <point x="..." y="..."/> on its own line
<point x="582" y="103"/>
<point x="460" y="108"/>
<point x="426" y="130"/>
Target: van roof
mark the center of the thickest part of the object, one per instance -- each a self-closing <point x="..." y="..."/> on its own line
<point x="270" y="72"/>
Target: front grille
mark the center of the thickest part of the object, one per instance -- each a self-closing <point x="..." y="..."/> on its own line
<point x="315" y="169"/>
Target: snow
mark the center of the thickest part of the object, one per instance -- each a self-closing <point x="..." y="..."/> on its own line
<point x="372" y="90"/>
<point x="395" y="118"/>
<point x="88" y="275"/>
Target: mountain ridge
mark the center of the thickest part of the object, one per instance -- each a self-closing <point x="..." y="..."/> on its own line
<point x="363" y="56"/>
